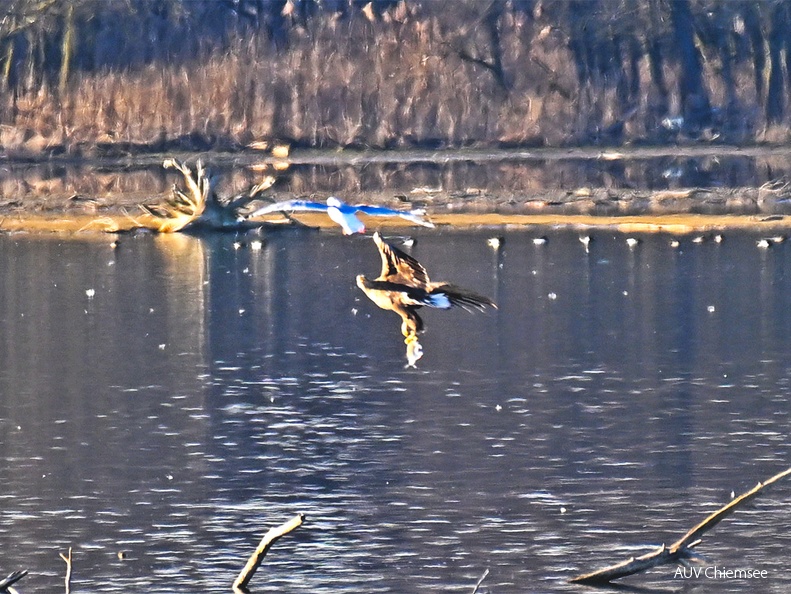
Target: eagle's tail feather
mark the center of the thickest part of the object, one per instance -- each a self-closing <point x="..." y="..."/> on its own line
<point x="445" y="296"/>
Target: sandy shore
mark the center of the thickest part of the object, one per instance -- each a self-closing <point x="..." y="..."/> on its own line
<point x="677" y="224"/>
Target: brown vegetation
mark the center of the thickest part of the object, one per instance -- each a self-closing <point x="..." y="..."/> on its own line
<point x="83" y="76"/>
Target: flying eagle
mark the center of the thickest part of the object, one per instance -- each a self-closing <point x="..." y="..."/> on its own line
<point x="344" y="214"/>
<point x="403" y="286"/>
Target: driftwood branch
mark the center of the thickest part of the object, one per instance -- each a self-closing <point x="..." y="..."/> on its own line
<point x="681" y="550"/>
<point x="240" y="585"/>
<point x="67" y="560"/>
<point x="480" y="581"/>
<point x="198" y="205"/>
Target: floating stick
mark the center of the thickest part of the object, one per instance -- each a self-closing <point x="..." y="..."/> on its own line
<point x="240" y="585"/>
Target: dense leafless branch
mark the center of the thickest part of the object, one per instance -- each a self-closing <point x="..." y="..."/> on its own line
<point x="199" y="205"/>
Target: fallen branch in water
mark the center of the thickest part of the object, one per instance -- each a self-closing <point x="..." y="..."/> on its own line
<point x="480" y="581"/>
<point x="67" y="560"/>
<point x="241" y="582"/>
<point x="681" y="550"/>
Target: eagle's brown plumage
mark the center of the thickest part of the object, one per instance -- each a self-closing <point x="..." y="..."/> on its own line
<point x="403" y="286"/>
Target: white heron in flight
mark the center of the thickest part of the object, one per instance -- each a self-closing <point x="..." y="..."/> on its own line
<point x="344" y="214"/>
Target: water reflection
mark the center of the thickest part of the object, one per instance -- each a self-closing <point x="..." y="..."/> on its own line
<point x="213" y="387"/>
<point x="520" y="181"/>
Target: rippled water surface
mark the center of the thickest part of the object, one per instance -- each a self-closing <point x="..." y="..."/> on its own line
<point x="174" y="397"/>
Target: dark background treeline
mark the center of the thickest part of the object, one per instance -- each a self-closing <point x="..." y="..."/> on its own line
<point x="201" y="74"/>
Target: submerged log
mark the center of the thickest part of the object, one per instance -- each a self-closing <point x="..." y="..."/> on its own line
<point x="241" y="582"/>
<point x="681" y="550"/>
<point x="11" y="579"/>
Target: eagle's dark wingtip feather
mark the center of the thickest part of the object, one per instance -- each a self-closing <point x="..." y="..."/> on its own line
<point x="467" y="299"/>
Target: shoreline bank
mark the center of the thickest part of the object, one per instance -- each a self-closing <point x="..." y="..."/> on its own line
<point x="589" y="187"/>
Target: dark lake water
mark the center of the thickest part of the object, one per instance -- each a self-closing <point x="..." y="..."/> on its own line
<point x="176" y="396"/>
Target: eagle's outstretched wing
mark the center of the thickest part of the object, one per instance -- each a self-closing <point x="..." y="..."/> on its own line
<point x="399" y="267"/>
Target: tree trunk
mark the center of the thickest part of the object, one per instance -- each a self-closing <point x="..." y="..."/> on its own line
<point x="775" y="97"/>
<point x="67" y="50"/>
<point x="752" y="26"/>
<point x="493" y="15"/>
<point x="656" y="61"/>
<point x="694" y="97"/>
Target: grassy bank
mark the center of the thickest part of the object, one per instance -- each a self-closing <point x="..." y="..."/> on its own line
<point x="80" y="78"/>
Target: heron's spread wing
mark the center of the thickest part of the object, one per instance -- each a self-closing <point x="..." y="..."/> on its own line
<point x="398" y="266"/>
<point x="377" y="211"/>
<point x="380" y="211"/>
<point x="416" y="216"/>
<point x="290" y="205"/>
